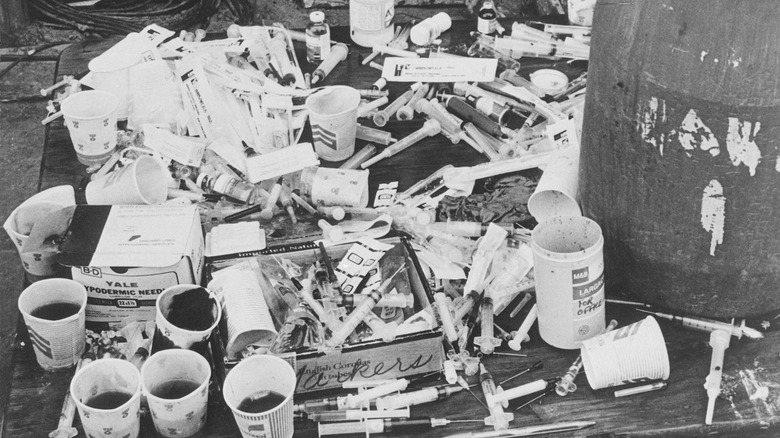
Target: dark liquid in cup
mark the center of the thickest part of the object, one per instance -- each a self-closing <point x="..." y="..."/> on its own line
<point x="175" y="389"/>
<point x="55" y="311"/>
<point x="261" y="402"/>
<point x="108" y="400"/>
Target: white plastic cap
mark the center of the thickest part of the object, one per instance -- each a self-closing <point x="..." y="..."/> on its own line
<point x="317" y="16"/>
<point x="429" y="29"/>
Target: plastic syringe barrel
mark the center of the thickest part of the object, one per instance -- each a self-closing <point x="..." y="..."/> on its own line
<point x="433" y="109"/>
<point x="278" y="48"/>
<point x="381" y="117"/>
<point x="338" y="53"/>
<point x="373" y="135"/>
<point x="406" y="112"/>
<point x="470" y="114"/>
<point x="360" y="157"/>
<point x="354" y="318"/>
<point x="430" y="128"/>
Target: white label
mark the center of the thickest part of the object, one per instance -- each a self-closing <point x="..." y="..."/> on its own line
<point x="439" y="69"/>
<point x="325" y="45"/>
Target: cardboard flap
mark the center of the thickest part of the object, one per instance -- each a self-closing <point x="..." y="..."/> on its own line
<point x="128" y="235"/>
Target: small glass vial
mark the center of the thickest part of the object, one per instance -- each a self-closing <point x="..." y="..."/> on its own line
<point x="487" y="18"/>
<point x="228" y="186"/>
<point x="317" y="38"/>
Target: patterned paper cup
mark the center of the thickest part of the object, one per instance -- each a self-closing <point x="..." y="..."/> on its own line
<point x="91" y="120"/>
<point x="333" y="117"/>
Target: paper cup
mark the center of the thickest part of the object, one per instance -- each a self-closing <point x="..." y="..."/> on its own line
<point x="556" y="193"/>
<point x="111" y="70"/>
<point x="58" y="343"/>
<point x="252" y="376"/>
<point x="20" y="222"/>
<point x="154" y="95"/>
<point x="569" y="276"/>
<point x="144" y="181"/>
<point x="108" y="379"/>
<point x="247" y="317"/>
<point x="165" y="378"/>
<point x="91" y="120"/>
<point x="630" y="354"/>
<point x="333" y="118"/>
<point x="168" y="335"/>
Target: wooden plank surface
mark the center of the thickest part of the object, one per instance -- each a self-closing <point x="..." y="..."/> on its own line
<point x="36" y="396"/>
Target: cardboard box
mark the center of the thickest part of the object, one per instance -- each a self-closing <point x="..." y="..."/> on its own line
<point x="409" y="354"/>
<point x="126" y="255"/>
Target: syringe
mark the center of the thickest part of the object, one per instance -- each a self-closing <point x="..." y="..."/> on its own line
<point x="486" y="50"/>
<point x="360" y="312"/>
<point x="429" y="129"/>
<point x="719" y="341"/>
<point x="468" y="326"/>
<point x="303" y="204"/>
<point x="381" y="117"/>
<point x="498" y="418"/>
<point x="522" y="332"/>
<point x="278" y="49"/>
<point x="374" y="135"/>
<point x="286" y="201"/>
<point x="486" y="341"/>
<point x="391" y="300"/>
<point x="709" y="325"/>
<point x="355" y="401"/>
<point x="537" y="365"/>
<point x="268" y="210"/>
<point x="408" y="425"/>
<point x="366" y="108"/>
<point x="519" y="391"/>
<point x="380" y="329"/>
<point x="466" y="305"/>
<point x="360" y="157"/>
<point x="327" y="318"/>
<point x="338" y="53"/>
<point x="417" y="397"/>
<point x="448" y="325"/>
<point x="468" y="113"/>
<point x="406" y="112"/>
<point x="566" y="384"/>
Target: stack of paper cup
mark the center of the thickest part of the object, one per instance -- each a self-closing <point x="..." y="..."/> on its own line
<point x="166" y="377"/>
<point x="633" y="353"/>
<point x="54" y="313"/>
<point x="99" y="388"/>
<point x="144" y="181"/>
<point x="111" y="70"/>
<point x="91" y="120"/>
<point x="257" y="377"/>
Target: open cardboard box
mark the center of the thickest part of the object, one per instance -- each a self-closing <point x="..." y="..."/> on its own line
<point x="409" y="354"/>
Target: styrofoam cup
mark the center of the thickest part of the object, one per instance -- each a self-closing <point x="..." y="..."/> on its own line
<point x="101" y="377"/>
<point x="333" y="118"/>
<point x="176" y="337"/>
<point x="144" y="181"/>
<point x="91" y="120"/>
<point x="252" y="376"/>
<point x="21" y="220"/>
<point x="183" y="416"/>
<point x="111" y="69"/>
<point x="569" y="276"/>
<point x="57" y="343"/>
<point x="633" y="353"/>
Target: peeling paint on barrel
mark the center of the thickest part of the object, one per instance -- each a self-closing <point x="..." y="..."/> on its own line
<point x="713" y="213"/>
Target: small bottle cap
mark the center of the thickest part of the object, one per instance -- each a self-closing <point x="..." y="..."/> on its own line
<point x="317" y="17"/>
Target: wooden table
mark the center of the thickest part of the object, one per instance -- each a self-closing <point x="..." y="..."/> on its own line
<point x="36" y="396"/>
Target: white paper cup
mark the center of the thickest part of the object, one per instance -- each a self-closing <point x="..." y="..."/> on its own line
<point x="630" y="354"/>
<point x="176" y="337"/>
<point x="91" y="120"/>
<point x="163" y="375"/>
<point x="556" y="193"/>
<point x="154" y="95"/>
<point x="144" y="181"/>
<point x="111" y="70"/>
<point x="569" y="276"/>
<point x="57" y="343"/>
<point x="252" y="376"/>
<point x="247" y="317"/>
<point x="333" y="118"/>
<point x="106" y="376"/>
<point x="19" y="224"/>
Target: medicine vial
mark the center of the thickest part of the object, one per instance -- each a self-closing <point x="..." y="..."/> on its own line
<point x="371" y="22"/>
<point x="227" y="185"/>
<point x="487" y="18"/>
<point x="317" y="38"/>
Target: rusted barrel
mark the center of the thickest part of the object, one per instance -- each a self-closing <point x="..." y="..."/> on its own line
<point x="679" y="160"/>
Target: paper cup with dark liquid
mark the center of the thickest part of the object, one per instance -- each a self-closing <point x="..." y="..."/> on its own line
<point x="186" y="316"/>
<point x="54" y="313"/>
<point x="176" y="385"/>
<point x="107" y="393"/>
<point x="259" y="391"/>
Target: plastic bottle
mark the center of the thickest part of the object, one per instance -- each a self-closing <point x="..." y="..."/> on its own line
<point x="317" y="38"/>
<point x="487" y="18"/>
<point x="371" y="21"/>
<point x="428" y="30"/>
